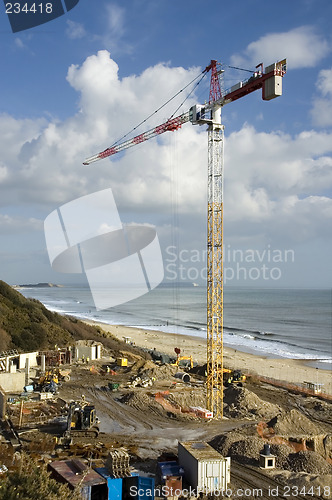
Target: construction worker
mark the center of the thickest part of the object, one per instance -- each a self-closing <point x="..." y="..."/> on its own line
<point x="87" y="359"/>
<point x="83" y="358"/>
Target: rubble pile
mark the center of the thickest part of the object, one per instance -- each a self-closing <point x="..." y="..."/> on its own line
<point x="239" y="402"/>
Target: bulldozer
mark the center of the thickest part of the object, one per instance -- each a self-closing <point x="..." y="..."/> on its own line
<point x="235" y="377"/>
<point x="81" y="420"/>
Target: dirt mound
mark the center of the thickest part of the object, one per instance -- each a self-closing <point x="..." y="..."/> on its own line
<point x="308" y="461"/>
<point x="247" y="450"/>
<point x="282" y="452"/>
<point x="188" y="398"/>
<point x="243" y="448"/>
<point x="293" y="423"/>
<point x="242" y="403"/>
<point x="159" y="372"/>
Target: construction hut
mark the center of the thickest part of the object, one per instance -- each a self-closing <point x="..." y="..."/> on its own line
<point x="266" y="459"/>
<point x="204" y="468"/>
<point x="87" y="349"/>
<point x="75" y="473"/>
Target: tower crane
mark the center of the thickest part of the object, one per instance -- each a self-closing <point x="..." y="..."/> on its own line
<point x="270" y="81"/>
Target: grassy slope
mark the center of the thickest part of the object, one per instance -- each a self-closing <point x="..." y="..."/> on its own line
<point x="26" y="325"/>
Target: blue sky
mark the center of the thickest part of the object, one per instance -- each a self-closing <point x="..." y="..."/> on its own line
<point x="70" y="87"/>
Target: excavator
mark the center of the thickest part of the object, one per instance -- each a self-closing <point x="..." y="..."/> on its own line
<point x="179" y="358"/>
<point x="81" y="420"/>
<point x="49" y="380"/>
<point x="188" y="359"/>
<point x="234" y="377"/>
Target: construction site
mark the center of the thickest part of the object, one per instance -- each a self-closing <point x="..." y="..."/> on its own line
<point x="134" y="419"/>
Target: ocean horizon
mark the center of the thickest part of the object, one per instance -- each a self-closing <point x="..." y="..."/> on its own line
<point x="284" y="323"/>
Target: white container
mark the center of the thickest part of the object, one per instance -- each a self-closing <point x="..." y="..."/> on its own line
<point x="205" y="469"/>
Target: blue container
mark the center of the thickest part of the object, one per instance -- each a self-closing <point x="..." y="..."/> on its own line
<point x="138" y="488"/>
<point x="114" y="484"/>
<point x="166" y="469"/>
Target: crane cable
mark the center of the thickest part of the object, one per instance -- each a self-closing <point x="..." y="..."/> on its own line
<point x="165" y="104"/>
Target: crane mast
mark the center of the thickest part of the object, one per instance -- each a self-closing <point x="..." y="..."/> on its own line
<point x="215" y="265"/>
<point x="210" y="115"/>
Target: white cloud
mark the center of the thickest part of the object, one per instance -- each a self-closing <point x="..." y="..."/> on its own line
<point x="322" y="106"/>
<point x="302" y="47"/>
<point x="75" y="30"/>
<point x="276" y="185"/>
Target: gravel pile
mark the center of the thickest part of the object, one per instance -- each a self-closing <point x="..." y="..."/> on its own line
<point x="242" y="403"/>
<point x="308" y="461"/>
<point x="281" y="451"/>
<point x="245" y="449"/>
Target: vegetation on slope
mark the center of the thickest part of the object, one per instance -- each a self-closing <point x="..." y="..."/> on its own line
<point x="33" y="482"/>
<point x="26" y="325"/>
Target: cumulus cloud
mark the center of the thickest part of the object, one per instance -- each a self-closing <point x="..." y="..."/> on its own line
<point x="278" y="181"/>
<point x="322" y="105"/>
<point x="302" y="47"/>
<point x="275" y="184"/>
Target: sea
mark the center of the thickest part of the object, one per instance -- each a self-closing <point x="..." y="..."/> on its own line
<point x="283" y="323"/>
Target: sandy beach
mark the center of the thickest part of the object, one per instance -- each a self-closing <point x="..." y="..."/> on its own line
<point x="289" y="370"/>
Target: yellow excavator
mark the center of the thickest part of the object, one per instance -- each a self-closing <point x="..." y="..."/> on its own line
<point x="188" y="359"/>
<point x="234" y="377"/>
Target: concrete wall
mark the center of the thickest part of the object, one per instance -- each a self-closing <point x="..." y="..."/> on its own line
<point x="32" y="356"/>
<point x="91" y="352"/>
<point x="14" y="382"/>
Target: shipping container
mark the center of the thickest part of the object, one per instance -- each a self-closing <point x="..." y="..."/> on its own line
<point x="205" y="469"/>
<point x="114" y="484"/>
<point x="138" y="488"/>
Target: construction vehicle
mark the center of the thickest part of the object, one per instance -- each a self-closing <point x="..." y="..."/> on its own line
<point x="49" y="380"/>
<point x="235" y="377"/>
<point x="188" y="361"/>
<point x="209" y="114"/>
<point x="81" y="420"/>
